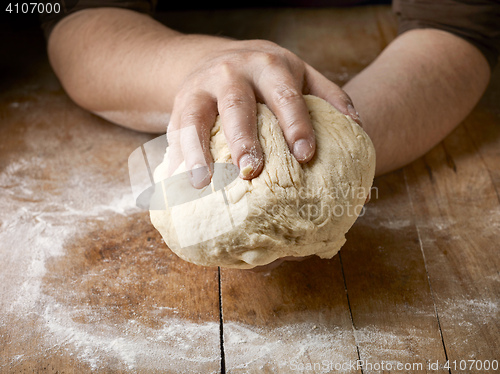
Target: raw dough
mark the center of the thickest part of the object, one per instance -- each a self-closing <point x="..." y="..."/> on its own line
<point x="289" y="210"/>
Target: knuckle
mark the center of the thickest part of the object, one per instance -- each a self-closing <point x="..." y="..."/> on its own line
<point x="269" y="58"/>
<point x="226" y="70"/>
<point x="233" y="100"/>
<point x="293" y="127"/>
<point x="262" y="45"/>
<point x="191" y="118"/>
<point x="184" y="96"/>
<point x="296" y="129"/>
<point x="192" y="107"/>
<point x="286" y="96"/>
<point x="275" y="55"/>
<point x="240" y="141"/>
<point x="237" y="139"/>
<point x="266" y="44"/>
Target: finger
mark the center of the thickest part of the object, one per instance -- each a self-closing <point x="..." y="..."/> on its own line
<point x="237" y="110"/>
<point x="196" y="114"/>
<point x="198" y="163"/>
<point x="318" y="85"/>
<point x="283" y="95"/>
<point x="174" y="151"/>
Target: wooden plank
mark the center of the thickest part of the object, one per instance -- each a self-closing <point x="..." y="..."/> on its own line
<point x="292" y="319"/>
<point x="457" y="213"/>
<point x="325" y="39"/>
<point x="87" y="283"/>
<point x="392" y="307"/>
<point x="482" y="127"/>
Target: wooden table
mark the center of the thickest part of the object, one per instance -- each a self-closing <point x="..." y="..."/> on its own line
<point x="87" y="284"/>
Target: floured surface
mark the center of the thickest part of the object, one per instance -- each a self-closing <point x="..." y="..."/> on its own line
<point x="285" y="348"/>
<point x="301" y="315"/>
<point x="83" y="285"/>
<point x="454" y="187"/>
<point x="73" y="247"/>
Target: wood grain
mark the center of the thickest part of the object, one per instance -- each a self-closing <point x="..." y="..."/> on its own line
<point x="392" y="307"/>
<point x="294" y="318"/>
<point x="457" y="213"/>
<point x="296" y="298"/>
<point x="87" y="283"/>
<point x="483" y="129"/>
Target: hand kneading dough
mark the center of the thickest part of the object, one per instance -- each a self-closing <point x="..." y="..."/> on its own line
<point x="289" y="209"/>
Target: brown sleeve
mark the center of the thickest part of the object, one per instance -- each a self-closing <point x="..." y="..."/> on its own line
<point x="476" y="21"/>
<point x="49" y="20"/>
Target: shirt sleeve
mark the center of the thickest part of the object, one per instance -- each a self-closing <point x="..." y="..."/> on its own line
<point x="473" y="20"/>
<point x="67" y="7"/>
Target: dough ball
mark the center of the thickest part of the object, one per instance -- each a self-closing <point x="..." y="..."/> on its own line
<point x="290" y="209"/>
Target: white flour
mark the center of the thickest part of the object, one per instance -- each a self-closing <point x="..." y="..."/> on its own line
<point x="35" y="231"/>
<point x="287" y="346"/>
<point x="45" y="204"/>
<point x="178" y="344"/>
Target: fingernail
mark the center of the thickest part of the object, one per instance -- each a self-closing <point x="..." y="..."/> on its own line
<point x="247" y="165"/>
<point x="353" y="113"/>
<point x="200" y="176"/>
<point x="302" y="150"/>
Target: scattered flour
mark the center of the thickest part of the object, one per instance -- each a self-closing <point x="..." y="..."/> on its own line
<point x="174" y="346"/>
<point x="287" y="346"/>
<point x="33" y="230"/>
<point x="34" y="215"/>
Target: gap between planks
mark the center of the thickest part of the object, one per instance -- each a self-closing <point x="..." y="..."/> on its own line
<point x="350" y="310"/>
<point x="221" y="327"/>
<point x="426" y="269"/>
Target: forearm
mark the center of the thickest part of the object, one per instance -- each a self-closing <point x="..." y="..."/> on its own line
<point x="123" y="65"/>
<point x="418" y="90"/>
<point x="138" y="73"/>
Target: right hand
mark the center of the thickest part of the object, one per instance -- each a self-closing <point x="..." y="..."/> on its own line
<point x="229" y="82"/>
